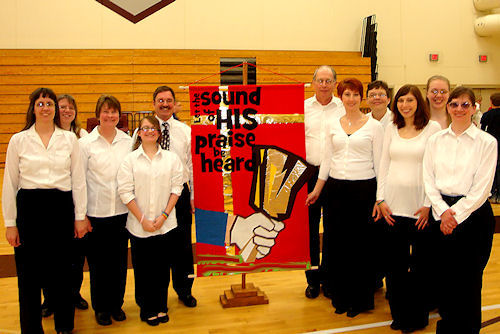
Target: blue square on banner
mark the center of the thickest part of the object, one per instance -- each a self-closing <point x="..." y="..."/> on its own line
<point x="210" y="227"/>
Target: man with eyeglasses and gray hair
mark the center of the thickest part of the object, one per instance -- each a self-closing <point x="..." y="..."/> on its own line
<point x="319" y="110"/>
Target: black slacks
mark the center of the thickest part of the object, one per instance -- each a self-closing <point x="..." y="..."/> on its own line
<point x="182" y="263"/>
<point x="350" y="243"/>
<point x="463" y="255"/>
<point x="151" y="258"/>
<point x="107" y="258"/>
<point x="406" y="279"/>
<point x="45" y="220"/>
<point x="315" y="277"/>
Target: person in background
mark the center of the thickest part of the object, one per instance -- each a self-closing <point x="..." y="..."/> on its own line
<point x="68" y="118"/>
<point x="349" y="168"/>
<point x="490" y="122"/>
<point x="150" y="181"/>
<point x="458" y="170"/>
<point x="438" y="91"/>
<point x="319" y="110"/>
<point x="103" y="150"/>
<point x="44" y="202"/>
<point x="402" y="204"/>
<point x="378" y="99"/>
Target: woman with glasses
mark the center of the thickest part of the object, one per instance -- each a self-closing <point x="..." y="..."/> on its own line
<point x="44" y="203"/>
<point x="438" y="91"/>
<point x="459" y="165"/>
<point x="150" y="183"/>
<point x="349" y="168"/>
<point x="69" y="122"/>
<point x="401" y="201"/>
<point x="103" y="150"/>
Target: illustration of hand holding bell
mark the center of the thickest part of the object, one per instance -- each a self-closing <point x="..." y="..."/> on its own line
<point x="277" y="178"/>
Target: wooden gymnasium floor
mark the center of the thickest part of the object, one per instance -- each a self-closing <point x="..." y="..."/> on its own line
<point x="289" y="311"/>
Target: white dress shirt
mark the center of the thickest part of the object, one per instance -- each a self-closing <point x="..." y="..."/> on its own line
<point x="400" y="180"/>
<point x="461" y="165"/>
<point x="29" y="165"/>
<point x="354" y="157"/>
<point x="150" y="183"/>
<point x="180" y="143"/>
<point x="386" y="119"/>
<point x="316" y="119"/>
<point x="101" y="161"/>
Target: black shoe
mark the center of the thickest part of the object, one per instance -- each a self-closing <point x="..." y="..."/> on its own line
<point x="118" y="315"/>
<point x="163" y="319"/>
<point x="340" y="310"/>
<point x="103" y="318"/>
<point x="312" y="291"/>
<point x="46" y="310"/>
<point x="353" y="312"/>
<point x="412" y="329"/>
<point x="327" y="292"/>
<point x="151" y="321"/>
<point x="81" y="303"/>
<point x="188" y="300"/>
<point x="395" y="325"/>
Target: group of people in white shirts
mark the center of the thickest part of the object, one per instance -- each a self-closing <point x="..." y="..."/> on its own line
<point x="114" y="188"/>
<point x="404" y="194"/>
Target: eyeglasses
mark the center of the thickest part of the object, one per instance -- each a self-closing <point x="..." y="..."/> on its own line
<point x="161" y="101"/>
<point x="324" y="81"/>
<point x="47" y="104"/>
<point x="148" y="129"/>
<point x="66" y="107"/>
<point x="455" y="105"/>
<point x="440" y="91"/>
<point x="372" y="96"/>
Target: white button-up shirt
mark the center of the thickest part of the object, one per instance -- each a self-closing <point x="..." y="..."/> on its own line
<point x="150" y="182"/>
<point x="316" y="123"/>
<point x="180" y="144"/>
<point x="353" y="157"/>
<point x="101" y="161"/>
<point x="461" y="165"/>
<point x="386" y="119"/>
<point x="29" y="165"/>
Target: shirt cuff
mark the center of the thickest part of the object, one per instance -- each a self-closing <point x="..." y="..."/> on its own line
<point x="10" y="223"/>
<point x="126" y="198"/>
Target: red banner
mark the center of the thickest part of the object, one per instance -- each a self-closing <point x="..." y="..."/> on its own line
<point x="249" y="168"/>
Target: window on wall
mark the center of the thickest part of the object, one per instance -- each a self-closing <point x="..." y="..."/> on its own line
<point x="235" y="75"/>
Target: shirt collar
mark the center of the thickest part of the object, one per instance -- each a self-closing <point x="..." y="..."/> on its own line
<point x="332" y="101"/>
<point x="169" y="121"/>
<point x="140" y="151"/>
<point x="57" y="131"/>
<point x="95" y="135"/>
<point x="472" y="131"/>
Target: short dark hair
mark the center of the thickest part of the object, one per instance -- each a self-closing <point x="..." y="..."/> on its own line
<point x="111" y="101"/>
<point x="422" y="114"/>
<point x="30" y="114"/>
<point x="163" y="89"/>
<point x="378" y="84"/>
<point x="495" y="99"/>
<point x="462" y="90"/>
<point x="352" y="84"/>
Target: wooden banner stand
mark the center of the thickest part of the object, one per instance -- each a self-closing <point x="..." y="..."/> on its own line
<point x="244" y="294"/>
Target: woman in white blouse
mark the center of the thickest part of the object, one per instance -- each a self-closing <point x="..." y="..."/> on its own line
<point x="350" y="164"/>
<point x="438" y="91"/>
<point x="44" y="203"/>
<point x="68" y="119"/>
<point x="103" y="150"/>
<point x="401" y="201"/>
<point x="150" y="183"/>
<point x="459" y="165"/>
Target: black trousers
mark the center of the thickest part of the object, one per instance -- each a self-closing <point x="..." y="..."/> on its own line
<point x="315" y="277"/>
<point x="45" y="220"/>
<point x="79" y="252"/>
<point x="406" y="276"/>
<point x="463" y="255"/>
<point x="182" y="262"/>
<point x="107" y="258"/>
<point x="151" y="258"/>
<point x="350" y="243"/>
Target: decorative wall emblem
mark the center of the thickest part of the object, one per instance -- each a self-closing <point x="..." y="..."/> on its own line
<point x="135" y="10"/>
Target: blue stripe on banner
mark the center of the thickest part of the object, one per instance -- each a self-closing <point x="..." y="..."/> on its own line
<point x="210" y="227"/>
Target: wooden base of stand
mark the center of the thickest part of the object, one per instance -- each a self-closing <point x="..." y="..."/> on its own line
<point x="238" y="296"/>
